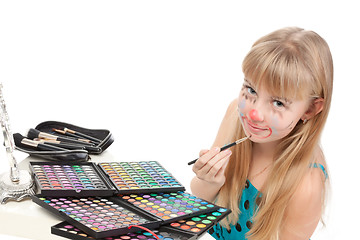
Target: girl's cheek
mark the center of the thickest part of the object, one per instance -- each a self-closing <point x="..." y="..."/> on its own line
<point x="242" y="104"/>
<point x="274" y="124"/>
<point x="279" y="127"/>
<point x="244" y="101"/>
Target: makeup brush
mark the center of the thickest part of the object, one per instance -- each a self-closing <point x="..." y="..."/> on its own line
<point x="71" y="135"/>
<point x="59" y="144"/>
<point x="35" y="144"/>
<point x="34" y="133"/>
<point x="225" y="147"/>
<point x="68" y="145"/>
<point x="82" y="135"/>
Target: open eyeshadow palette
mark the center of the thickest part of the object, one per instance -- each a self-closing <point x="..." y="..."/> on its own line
<point x="187" y="229"/>
<point x="84" y="179"/>
<point x="104" y="217"/>
<point x="168" y="207"/>
<point x="99" y="217"/>
<point x="66" y="230"/>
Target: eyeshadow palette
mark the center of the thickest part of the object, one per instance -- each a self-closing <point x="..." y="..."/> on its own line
<point x="105" y="179"/>
<point x="140" y="177"/>
<point x="67" y="230"/>
<point x="199" y="224"/>
<point x="169" y="207"/>
<point x="187" y="229"/>
<point x="70" y="179"/>
<point x="97" y="216"/>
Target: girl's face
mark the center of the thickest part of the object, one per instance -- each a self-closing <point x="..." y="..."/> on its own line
<point x="268" y="118"/>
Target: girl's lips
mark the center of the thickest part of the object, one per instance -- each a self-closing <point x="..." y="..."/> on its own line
<point x="257" y="130"/>
<point x="255" y="127"/>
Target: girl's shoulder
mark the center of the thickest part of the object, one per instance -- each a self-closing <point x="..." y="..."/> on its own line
<point x="319" y="162"/>
<point x="305" y="206"/>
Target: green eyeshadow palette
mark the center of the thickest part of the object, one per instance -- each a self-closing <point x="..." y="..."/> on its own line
<point x="140" y="177"/>
<point x="67" y="230"/>
<point x="103" y="179"/>
<point x="169" y="207"/>
<point x="98" y="216"/>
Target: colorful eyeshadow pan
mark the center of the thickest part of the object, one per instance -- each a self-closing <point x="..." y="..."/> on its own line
<point x="64" y="229"/>
<point x="140" y="177"/>
<point x="69" y="179"/>
<point x="99" y="217"/>
<point x="169" y="207"/>
<point x="200" y="223"/>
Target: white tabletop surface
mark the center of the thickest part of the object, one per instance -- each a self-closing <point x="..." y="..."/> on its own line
<point x="27" y="220"/>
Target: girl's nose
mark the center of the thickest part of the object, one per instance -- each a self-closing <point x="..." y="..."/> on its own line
<point x="254" y="115"/>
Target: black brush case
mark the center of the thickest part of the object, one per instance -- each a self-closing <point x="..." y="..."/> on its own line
<point x="69" y="155"/>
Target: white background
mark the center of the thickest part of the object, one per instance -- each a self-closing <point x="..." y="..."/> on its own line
<point x="160" y="75"/>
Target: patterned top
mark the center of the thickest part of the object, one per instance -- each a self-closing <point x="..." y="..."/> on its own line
<point x="249" y="203"/>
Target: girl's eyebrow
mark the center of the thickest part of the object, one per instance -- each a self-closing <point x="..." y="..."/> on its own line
<point x="288" y="101"/>
<point x="248" y="82"/>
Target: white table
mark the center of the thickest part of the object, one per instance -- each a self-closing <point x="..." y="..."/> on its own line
<point x="26" y="219"/>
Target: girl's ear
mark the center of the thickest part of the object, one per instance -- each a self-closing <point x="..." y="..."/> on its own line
<point x="315" y="107"/>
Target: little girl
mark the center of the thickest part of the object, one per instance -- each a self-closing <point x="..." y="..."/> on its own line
<point x="274" y="182"/>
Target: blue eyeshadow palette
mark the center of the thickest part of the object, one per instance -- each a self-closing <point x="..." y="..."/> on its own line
<point x="103" y="179"/>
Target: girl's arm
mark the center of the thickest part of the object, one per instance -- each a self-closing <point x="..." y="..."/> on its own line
<point x="211" y="165"/>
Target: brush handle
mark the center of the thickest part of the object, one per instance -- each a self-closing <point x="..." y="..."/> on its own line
<point x="221" y="149"/>
<point x="82" y="135"/>
<point x="71" y="140"/>
<point x="72" y="146"/>
<point x="88" y="137"/>
<point x="227" y="146"/>
<point x="46" y="147"/>
<point x="67" y="146"/>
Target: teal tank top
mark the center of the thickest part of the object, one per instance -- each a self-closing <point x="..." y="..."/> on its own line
<point x="249" y="203"/>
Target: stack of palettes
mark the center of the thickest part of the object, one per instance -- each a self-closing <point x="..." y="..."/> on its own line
<point x="121" y="200"/>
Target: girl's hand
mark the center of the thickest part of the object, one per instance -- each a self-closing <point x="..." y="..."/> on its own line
<point x="211" y="165"/>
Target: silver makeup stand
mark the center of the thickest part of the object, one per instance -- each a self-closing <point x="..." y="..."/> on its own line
<point x="16" y="184"/>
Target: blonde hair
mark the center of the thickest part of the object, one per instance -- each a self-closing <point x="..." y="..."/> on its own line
<point x="288" y="62"/>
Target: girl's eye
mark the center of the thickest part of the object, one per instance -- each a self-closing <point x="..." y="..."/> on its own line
<point x="278" y="104"/>
<point x="251" y="90"/>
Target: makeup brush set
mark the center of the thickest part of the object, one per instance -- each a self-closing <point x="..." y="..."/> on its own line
<point x="54" y="140"/>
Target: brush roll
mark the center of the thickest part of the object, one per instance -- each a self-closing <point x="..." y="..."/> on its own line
<point x="67" y="154"/>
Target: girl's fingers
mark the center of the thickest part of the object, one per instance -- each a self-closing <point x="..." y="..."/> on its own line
<point x="218" y="167"/>
<point x="213" y="166"/>
<point x="202" y="161"/>
<point x="203" y="151"/>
